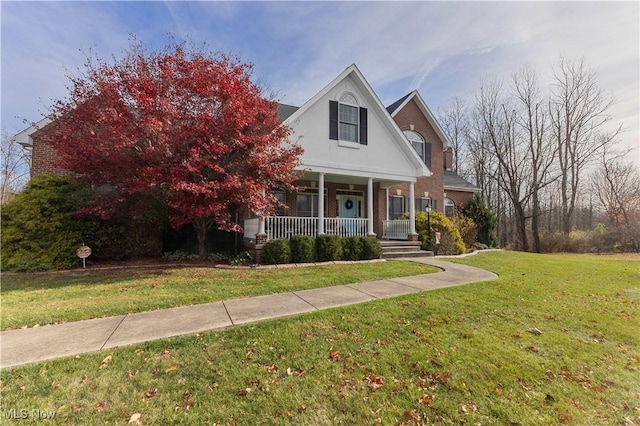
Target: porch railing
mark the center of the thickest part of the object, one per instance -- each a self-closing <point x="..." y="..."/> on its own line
<point x="288" y="226"/>
<point x="395" y="229"/>
<point x="345" y="227"/>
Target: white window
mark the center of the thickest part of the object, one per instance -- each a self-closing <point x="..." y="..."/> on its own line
<point x="348" y="118"/>
<point x="422" y="148"/>
<point x="449" y="207"/>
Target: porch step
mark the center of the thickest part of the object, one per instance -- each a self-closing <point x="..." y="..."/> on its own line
<point x="396" y="249"/>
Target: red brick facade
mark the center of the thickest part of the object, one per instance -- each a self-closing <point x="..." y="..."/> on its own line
<point x="44" y="157"/>
<point x="411" y="118"/>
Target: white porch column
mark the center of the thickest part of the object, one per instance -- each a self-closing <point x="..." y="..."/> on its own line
<point x="321" y="204"/>
<point x="412" y="210"/>
<point x="370" y="208"/>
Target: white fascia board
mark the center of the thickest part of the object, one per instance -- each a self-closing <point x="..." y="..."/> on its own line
<point x="428" y="114"/>
<point x="24" y="138"/>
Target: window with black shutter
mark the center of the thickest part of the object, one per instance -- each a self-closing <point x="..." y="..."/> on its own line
<point x="348" y="121"/>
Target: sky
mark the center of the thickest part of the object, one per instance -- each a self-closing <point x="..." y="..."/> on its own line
<point x="443" y="49"/>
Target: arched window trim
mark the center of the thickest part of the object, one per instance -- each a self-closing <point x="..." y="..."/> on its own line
<point x="449" y="207"/>
<point x="420" y="144"/>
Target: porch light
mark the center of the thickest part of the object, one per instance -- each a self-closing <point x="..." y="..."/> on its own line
<point x="398" y="191"/>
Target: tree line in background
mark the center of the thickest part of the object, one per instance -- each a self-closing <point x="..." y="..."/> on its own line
<point x="548" y="162"/>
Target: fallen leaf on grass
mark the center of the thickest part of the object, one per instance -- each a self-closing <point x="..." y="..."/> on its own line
<point x="244" y="392"/>
<point x="534" y="331"/>
<point x="106" y="361"/>
<point x="135" y="418"/>
<point x="426" y="400"/>
<point x="101" y="406"/>
<point x="172" y="368"/>
<point x="565" y="416"/>
<point x="374" y="382"/>
<point x="150" y="393"/>
<point x="335" y="355"/>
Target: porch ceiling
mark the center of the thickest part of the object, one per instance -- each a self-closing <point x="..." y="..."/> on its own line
<point x="350" y="180"/>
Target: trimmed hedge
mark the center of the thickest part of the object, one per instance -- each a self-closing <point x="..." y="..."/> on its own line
<point x="276" y="251"/>
<point x="328" y="248"/>
<point x="352" y="248"/>
<point x="303" y="249"/>
<point x="371" y="248"/>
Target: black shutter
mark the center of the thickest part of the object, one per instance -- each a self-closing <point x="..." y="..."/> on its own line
<point x="434" y="205"/>
<point x="333" y="120"/>
<point x="427" y="154"/>
<point x="363" y="126"/>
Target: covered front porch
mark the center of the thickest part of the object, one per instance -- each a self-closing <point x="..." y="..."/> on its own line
<point x="349" y="206"/>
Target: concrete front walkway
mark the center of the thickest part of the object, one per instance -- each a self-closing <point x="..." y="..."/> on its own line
<point x="29" y="345"/>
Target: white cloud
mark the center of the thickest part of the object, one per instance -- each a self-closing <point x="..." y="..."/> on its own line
<point x="441" y="48"/>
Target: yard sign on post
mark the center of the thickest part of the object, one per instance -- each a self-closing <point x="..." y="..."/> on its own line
<point x="84" y="252"/>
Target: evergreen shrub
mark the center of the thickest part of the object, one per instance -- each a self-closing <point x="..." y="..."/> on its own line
<point x="40" y="226"/>
<point x="352" y="248"/>
<point x="276" y="251"/>
<point x="302" y="249"/>
<point x="328" y="248"/>
<point x="371" y="248"/>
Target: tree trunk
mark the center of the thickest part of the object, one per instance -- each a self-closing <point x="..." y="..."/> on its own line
<point x="535" y="220"/>
<point x="521" y="227"/>
<point x="201" y="226"/>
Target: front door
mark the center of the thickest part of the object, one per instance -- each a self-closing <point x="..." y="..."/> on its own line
<point x="349" y="206"/>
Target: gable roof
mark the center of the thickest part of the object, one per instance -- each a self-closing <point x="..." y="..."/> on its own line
<point x="25" y="139"/>
<point x="395" y="107"/>
<point x="285" y="111"/>
<point x="378" y="108"/>
<point x="455" y="182"/>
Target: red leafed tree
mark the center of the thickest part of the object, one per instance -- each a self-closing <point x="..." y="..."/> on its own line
<point x="185" y="126"/>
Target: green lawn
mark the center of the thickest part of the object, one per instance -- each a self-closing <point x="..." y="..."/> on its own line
<point x="450" y="356"/>
<point x="47" y="298"/>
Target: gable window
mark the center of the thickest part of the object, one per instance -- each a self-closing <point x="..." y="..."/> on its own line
<point x="347" y="121"/>
<point x="422" y="147"/>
